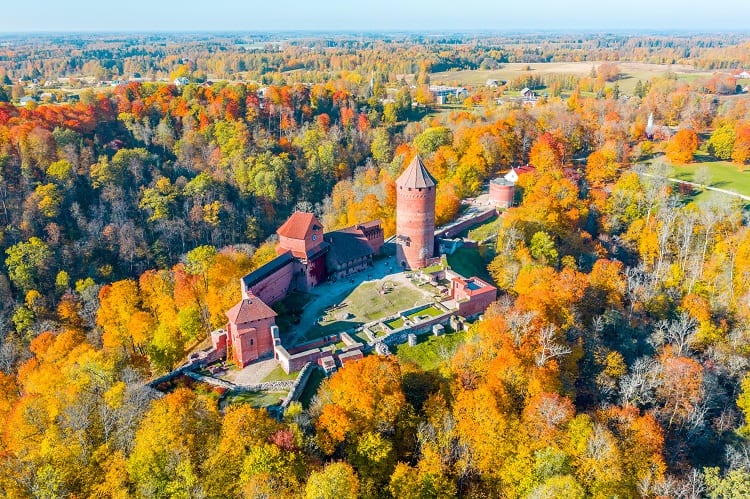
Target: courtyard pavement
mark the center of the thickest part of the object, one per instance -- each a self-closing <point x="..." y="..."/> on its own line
<point x="252" y="374"/>
<point x="331" y="293"/>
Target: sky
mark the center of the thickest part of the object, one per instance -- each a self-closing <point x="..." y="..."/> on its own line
<point x="367" y="15"/>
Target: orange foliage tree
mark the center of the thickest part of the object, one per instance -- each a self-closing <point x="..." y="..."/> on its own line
<point x="741" y="151"/>
<point x="682" y="146"/>
<point x="364" y="396"/>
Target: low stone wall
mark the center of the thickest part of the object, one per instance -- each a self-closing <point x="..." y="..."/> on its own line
<point x="455" y="228"/>
<point x="185" y="369"/>
<point x="266" y="386"/>
<point x="327" y="340"/>
<point x="269" y="386"/>
<point x="402" y="335"/>
<point x="290" y="363"/>
<point x="211" y="380"/>
<point x="298" y="385"/>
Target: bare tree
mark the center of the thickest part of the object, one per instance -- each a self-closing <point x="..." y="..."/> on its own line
<point x="519" y="324"/>
<point x="637" y="387"/>
<point x="679" y="333"/>
<point x="549" y="347"/>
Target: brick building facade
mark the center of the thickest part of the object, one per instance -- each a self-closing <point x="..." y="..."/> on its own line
<point x="415" y="216"/>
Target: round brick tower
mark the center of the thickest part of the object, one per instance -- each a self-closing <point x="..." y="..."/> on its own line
<point x="415" y="216"/>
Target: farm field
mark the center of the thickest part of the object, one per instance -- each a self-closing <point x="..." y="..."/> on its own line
<point x="631" y="72"/>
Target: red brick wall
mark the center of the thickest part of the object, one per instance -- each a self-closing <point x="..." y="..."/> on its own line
<point x="300" y="247"/>
<point x="415" y="219"/>
<point x="276" y="286"/>
<point x="501" y="195"/>
<point x="296" y="246"/>
<point x="297" y="363"/>
<point x="470" y="302"/>
<point x="375" y="239"/>
<point x="477" y="303"/>
<point x="316" y="272"/>
<point x="250" y="341"/>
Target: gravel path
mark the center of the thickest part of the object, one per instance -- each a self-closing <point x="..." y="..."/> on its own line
<point x="252" y="374"/>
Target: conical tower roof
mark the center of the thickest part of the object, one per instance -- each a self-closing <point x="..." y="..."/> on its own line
<point x="416" y="175"/>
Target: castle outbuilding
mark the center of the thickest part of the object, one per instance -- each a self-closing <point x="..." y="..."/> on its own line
<point x="502" y="192"/>
<point x="249" y="330"/>
<point x="415" y="216"/>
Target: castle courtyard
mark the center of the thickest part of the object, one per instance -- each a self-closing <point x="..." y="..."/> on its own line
<point x="377" y="292"/>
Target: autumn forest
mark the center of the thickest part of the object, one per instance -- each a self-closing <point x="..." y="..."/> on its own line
<point x="141" y="176"/>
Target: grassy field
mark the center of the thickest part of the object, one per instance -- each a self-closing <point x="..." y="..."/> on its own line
<point x="723" y="174"/>
<point x="278" y="374"/>
<point x="367" y="304"/>
<point x="256" y="399"/>
<point x="630" y="73"/>
<point x="469" y="262"/>
<point x="431" y="351"/>
<point x="395" y="323"/>
<point x="431" y="311"/>
<point x="487" y="229"/>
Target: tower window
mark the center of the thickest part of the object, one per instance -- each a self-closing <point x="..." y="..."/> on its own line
<point x="251" y="342"/>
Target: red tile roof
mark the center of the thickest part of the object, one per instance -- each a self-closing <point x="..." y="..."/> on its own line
<point x="299" y="225"/>
<point x="416" y="175"/>
<point x="248" y="310"/>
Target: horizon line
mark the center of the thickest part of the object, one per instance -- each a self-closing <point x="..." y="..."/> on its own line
<point x="377" y="31"/>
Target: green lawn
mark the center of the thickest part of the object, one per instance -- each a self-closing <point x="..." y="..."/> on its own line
<point x="431" y="352"/>
<point x="369" y="304"/>
<point x="278" y="374"/>
<point x="469" y="263"/>
<point x="395" y="323"/>
<point x="724" y="175"/>
<point x="366" y="304"/>
<point x="362" y="337"/>
<point x="431" y="311"/>
<point x="487" y="229"/>
<point x="256" y="399"/>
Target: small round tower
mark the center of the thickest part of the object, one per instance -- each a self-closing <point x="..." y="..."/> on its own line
<point x="415" y="216"/>
<point x="502" y="192"/>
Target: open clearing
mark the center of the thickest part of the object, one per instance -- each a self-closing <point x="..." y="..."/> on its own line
<point x="630" y="73"/>
<point x="256" y="399"/>
<point x="432" y="351"/>
<point x="724" y="175"/>
<point x="469" y="262"/>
